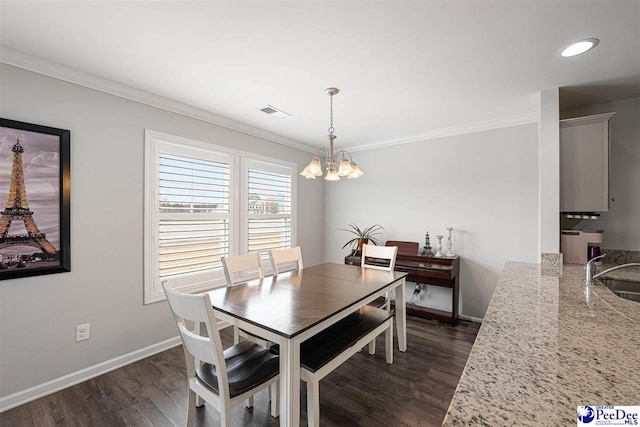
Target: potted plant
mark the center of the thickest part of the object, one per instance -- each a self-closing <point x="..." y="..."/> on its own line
<point x="363" y="236"/>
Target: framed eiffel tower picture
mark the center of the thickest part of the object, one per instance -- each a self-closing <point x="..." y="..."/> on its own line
<point x="35" y="182"/>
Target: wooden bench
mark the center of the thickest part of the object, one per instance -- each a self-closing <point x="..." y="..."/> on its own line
<point x="324" y="352"/>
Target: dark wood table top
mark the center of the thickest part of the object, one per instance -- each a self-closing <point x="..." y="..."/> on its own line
<point x="290" y="303"/>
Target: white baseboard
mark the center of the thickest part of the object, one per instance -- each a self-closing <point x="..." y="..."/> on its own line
<point x="470" y="318"/>
<point x="36" y="392"/>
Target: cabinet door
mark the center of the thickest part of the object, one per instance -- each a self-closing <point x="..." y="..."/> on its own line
<point x="584" y="166"/>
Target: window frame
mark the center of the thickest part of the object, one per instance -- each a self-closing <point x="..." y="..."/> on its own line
<point x="239" y="162"/>
<point x="271" y="165"/>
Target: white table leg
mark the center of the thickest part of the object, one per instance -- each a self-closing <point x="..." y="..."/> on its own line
<point x="401" y="316"/>
<point x="289" y="383"/>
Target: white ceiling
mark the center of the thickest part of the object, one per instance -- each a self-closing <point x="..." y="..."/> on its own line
<point x="403" y="68"/>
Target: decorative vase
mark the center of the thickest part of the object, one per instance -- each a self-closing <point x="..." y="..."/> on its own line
<point x="362" y="242"/>
<point x="449" y="251"/>
<point x="439" y="247"/>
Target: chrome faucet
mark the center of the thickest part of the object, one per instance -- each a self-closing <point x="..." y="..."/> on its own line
<point x="590" y="269"/>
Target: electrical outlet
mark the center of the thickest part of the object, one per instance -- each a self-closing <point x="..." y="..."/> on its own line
<point x="82" y="332"/>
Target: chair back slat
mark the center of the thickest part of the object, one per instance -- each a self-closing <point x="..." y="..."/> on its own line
<point x="242" y="268"/>
<point x="284" y="259"/>
<point x="198" y="346"/>
<point x="189" y="307"/>
<point x="384" y="253"/>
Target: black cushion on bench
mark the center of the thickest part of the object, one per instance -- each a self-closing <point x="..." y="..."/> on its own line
<point x="378" y="302"/>
<point x="248" y="365"/>
<point x="320" y="349"/>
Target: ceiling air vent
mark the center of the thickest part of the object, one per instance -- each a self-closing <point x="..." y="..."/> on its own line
<point x="274" y="112"/>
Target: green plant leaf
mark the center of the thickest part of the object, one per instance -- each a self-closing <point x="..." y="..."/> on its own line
<point x="366" y="233"/>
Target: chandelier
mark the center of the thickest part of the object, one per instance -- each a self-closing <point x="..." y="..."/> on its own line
<point x="337" y="163"/>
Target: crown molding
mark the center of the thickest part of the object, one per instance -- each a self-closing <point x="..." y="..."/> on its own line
<point x="23" y="60"/>
<point x="504" y="122"/>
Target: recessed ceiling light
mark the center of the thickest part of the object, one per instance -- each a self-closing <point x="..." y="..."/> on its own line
<point x="581" y="46"/>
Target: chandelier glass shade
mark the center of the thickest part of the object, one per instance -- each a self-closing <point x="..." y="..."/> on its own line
<point x="337" y="162"/>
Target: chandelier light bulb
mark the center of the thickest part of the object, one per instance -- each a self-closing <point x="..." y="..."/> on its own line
<point x="307" y="174"/>
<point x="357" y="173"/>
<point x="332" y="175"/>
<point x="315" y="167"/>
<point x="345" y="168"/>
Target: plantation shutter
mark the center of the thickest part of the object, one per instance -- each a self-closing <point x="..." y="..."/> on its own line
<point x="194" y="214"/>
<point x="192" y="208"/>
<point x="269" y="206"/>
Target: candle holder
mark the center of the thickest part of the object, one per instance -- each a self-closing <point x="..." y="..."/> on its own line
<point x="439" y="247"/>
<point x="449" y="251"/>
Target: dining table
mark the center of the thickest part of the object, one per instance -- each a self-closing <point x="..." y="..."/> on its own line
<point x="291" y="307"/>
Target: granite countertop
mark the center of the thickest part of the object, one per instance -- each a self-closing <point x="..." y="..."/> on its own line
<point x="547" y="345"/>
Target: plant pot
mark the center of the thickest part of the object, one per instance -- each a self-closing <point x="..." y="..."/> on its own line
<point x="362" y="242"/>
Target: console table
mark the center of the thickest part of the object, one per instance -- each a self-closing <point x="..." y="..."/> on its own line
<point x="426" y="270"/>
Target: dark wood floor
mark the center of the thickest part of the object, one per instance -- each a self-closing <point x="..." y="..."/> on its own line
<point x="365" y="391"/>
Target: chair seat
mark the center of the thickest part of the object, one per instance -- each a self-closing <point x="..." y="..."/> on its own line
<point x="320" y="349"/>
<point x="378" y="302"/>
<point x="248" y="365"/>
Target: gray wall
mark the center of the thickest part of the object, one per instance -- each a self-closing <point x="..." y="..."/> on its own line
<point x="38" y="315"/>
<point x="483" y="184"/>
<point x="620" y="224"/>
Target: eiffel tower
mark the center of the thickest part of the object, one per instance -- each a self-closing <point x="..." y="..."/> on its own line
<point x="17" y="210"/>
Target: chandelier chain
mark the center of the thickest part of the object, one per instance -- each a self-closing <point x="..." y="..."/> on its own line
<point x="331" y="129"/>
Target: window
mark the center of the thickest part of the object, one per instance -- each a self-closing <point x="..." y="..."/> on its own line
<point x="203" y="202"/>
<point x="269" y="201"/>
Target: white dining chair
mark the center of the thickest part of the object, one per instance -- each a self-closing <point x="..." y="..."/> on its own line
<point x="379" y="258"/>
<point x="283" y="260"/>
<point x="226" y="377"/>
<point x="240" y="269"/>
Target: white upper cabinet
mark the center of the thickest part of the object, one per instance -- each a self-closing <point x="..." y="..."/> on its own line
<point x="584" y="164"/>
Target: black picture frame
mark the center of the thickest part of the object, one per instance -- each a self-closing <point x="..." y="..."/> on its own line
<point x="47" y="151"/>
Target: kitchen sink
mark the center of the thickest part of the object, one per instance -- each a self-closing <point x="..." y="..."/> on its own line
<point x="623" y="288"/>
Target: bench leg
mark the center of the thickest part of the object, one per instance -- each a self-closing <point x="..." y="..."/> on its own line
<point x="313" y="403"/>
<point x="388" y="342"/>
<point x="236" y="335"/>
<point x="250" y="402"/>
<point x="274" y="393"/>
<point x="199" y="401"/>
<point x="372" y="347"/>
